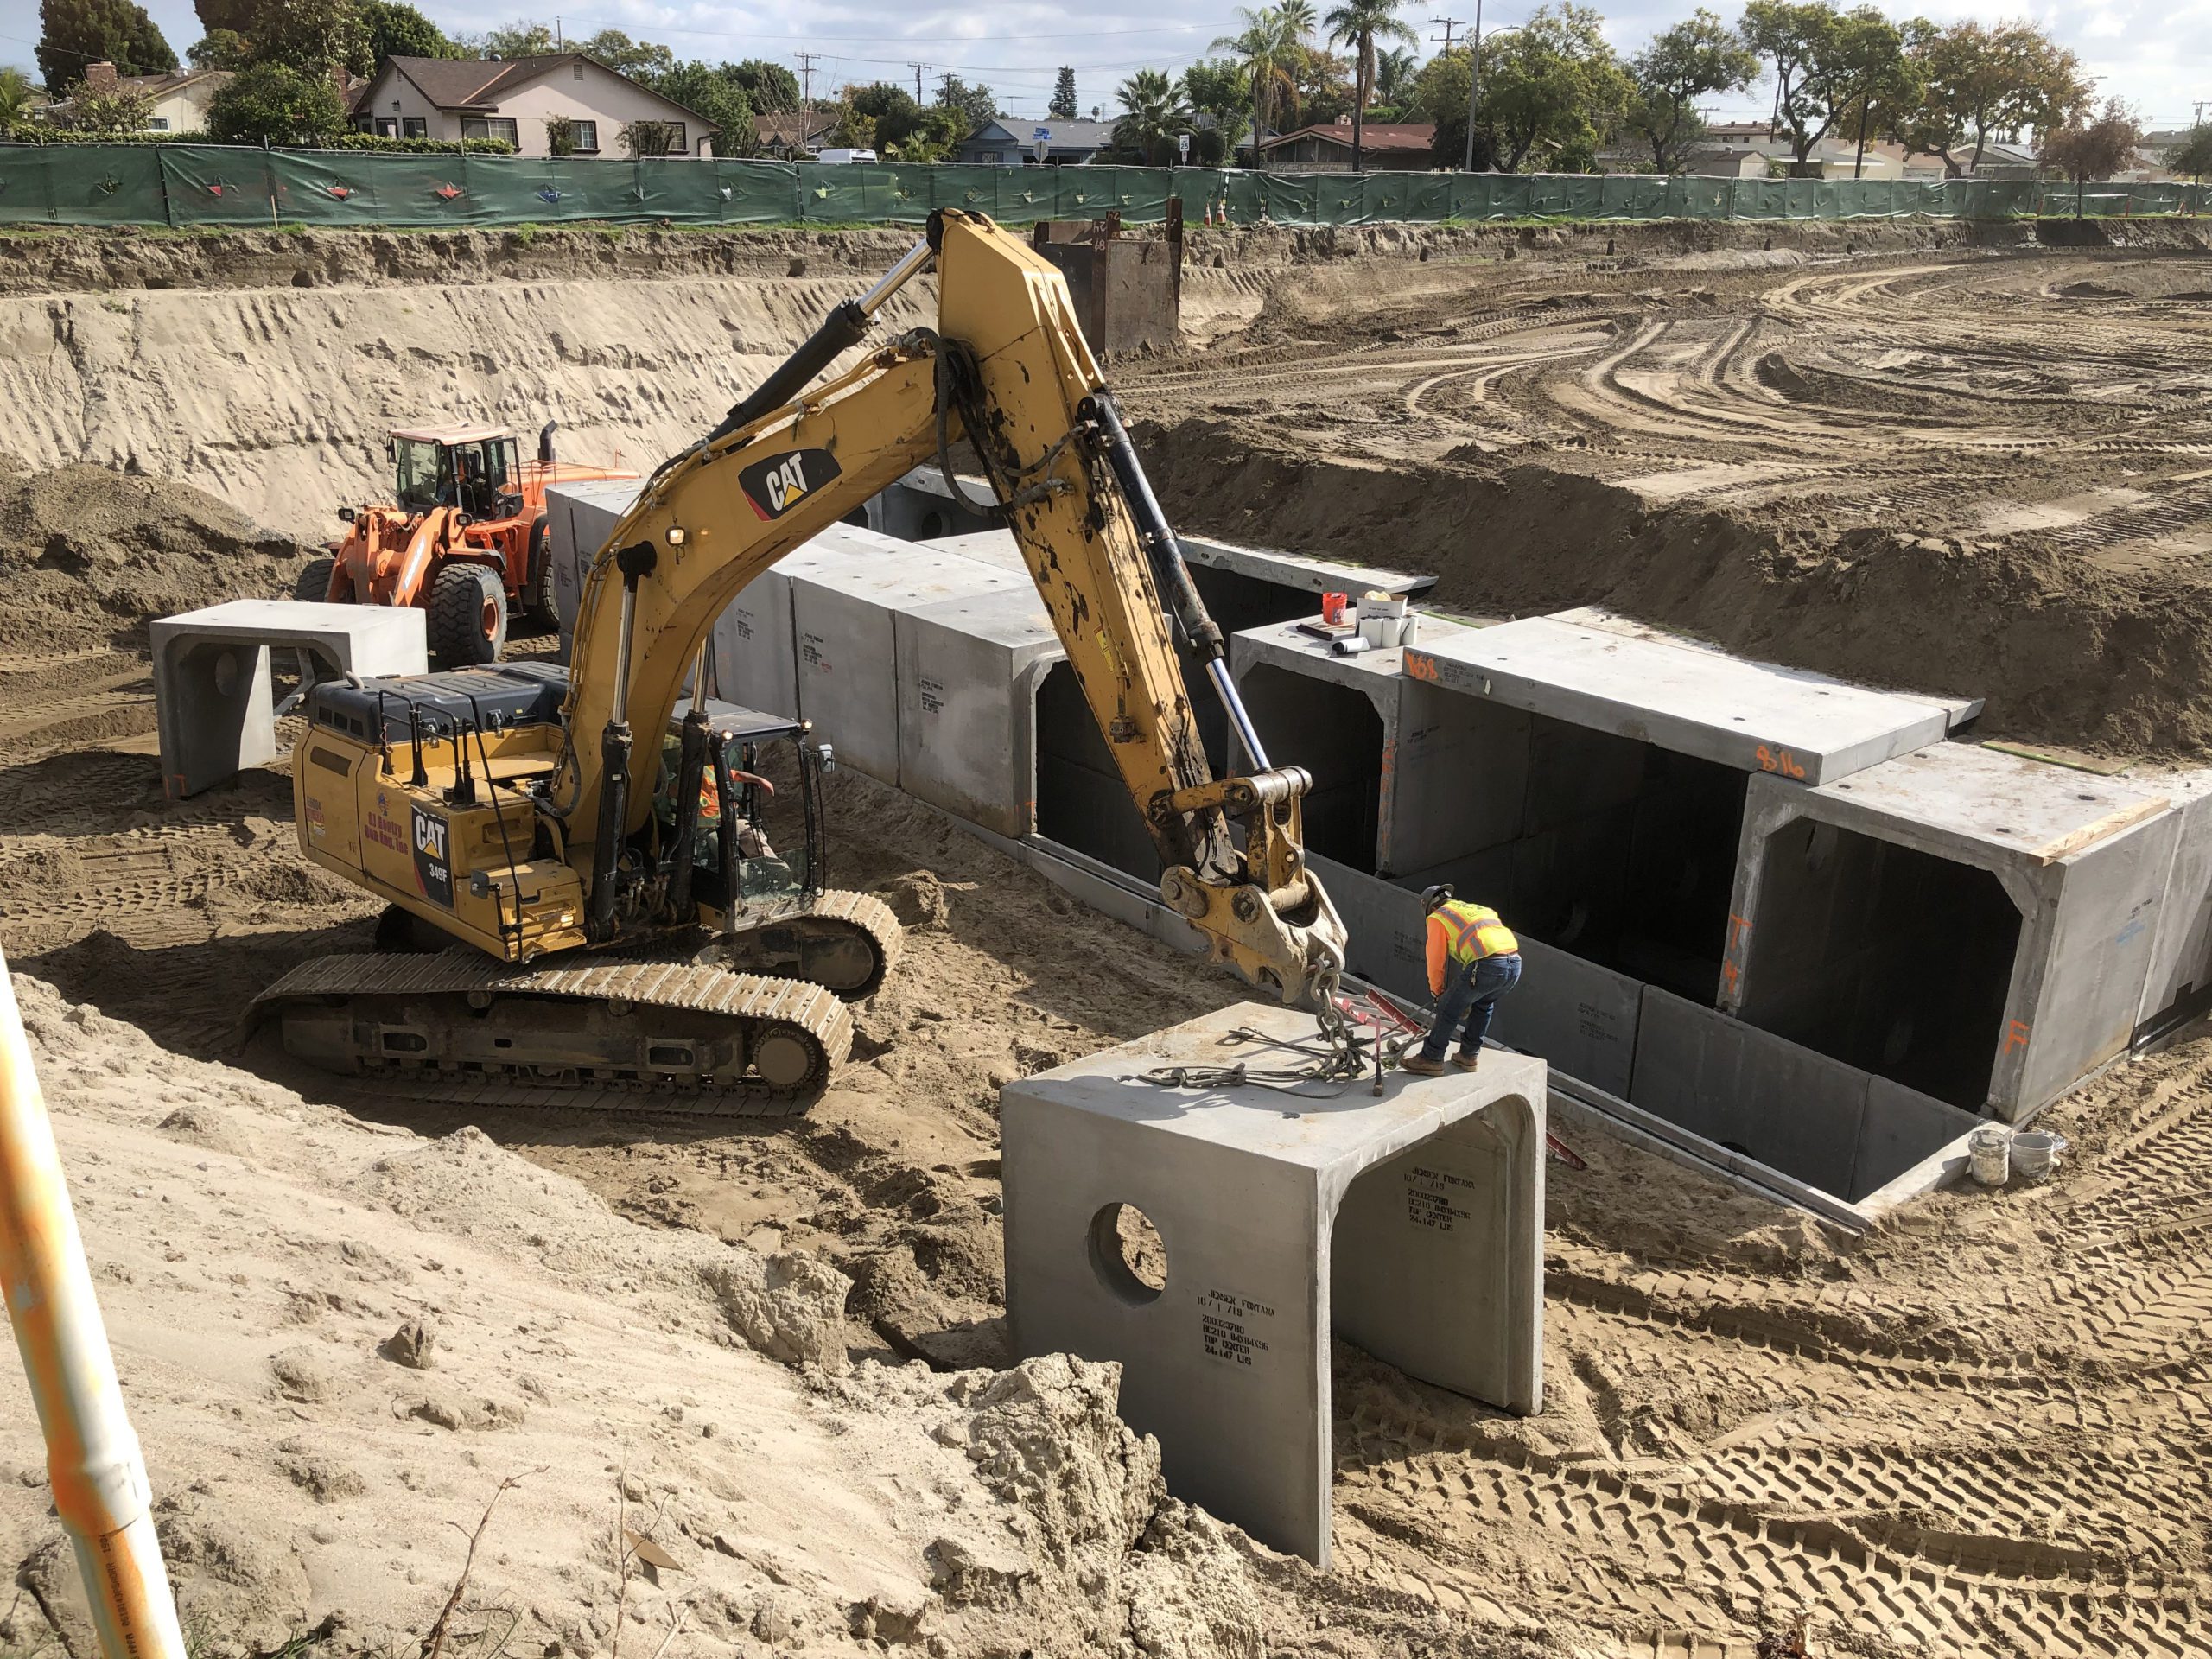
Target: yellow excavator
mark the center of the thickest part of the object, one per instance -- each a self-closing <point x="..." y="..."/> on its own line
<point x="602" y="933"/>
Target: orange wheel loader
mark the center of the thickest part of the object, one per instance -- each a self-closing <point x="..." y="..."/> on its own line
<point x="465" y="540"/>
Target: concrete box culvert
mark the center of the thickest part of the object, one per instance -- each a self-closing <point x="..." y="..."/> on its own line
<point x="1685" y="1081"/>
<point x="1971" y="924"/>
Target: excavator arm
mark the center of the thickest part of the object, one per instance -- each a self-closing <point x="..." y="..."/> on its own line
<point x="1005" y="366"/>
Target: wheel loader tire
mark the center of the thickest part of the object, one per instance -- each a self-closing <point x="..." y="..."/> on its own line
<point x="539" y="609"/>
<point x="468" y="620"/>
<point x="313" y="583"/>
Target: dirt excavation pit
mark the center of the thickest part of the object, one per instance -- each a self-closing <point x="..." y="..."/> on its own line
<point x="777" y="1350"/>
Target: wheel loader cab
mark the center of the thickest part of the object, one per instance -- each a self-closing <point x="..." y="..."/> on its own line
<point x="476" y="470"/>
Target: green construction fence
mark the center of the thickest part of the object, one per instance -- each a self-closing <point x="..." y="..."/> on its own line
<point x="188" y="185"/>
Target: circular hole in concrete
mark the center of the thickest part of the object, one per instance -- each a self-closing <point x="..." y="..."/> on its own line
<point x="226" y="674"/>
<point x="932" y="526"/>
<point x="1128" y="1254"/>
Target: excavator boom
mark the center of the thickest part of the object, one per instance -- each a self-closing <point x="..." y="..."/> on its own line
<point x="1007" y="367"/>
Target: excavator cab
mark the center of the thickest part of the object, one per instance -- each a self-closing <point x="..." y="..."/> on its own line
<point x="733" y="850"/>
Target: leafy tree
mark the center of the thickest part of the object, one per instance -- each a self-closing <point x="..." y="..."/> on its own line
<point x="398" y="31"/>
<point x="1153" y="116"/>
<point x="560" y="135"/>
<point x="1797" y="36"/>
<point x="73" y="33"/>
<point x="221" y="48"/>
<point x="1322" y="86"/>
<point x="1440" y="92"/>
<point x="1552" y="90"/>
<point x="1695" y="58"/>
<point x="2194" y="158"/>
<point x="1221" y="90"/>
<point x="891" y="108"/>
<point x="275" y="104"/>
<point x="107" y="114"/>
<point x="2085" y="149"/>
<point x="766" y="85"/>
<point x="520" y="38"/>
<point x="1063" y="107"/>
<point x="713" y="93"/>
<point x="642" y="139"/>
<point x="1359" y="24"/>
<point x="850" y="127"/>
<point x="1264" y="48"/>
<point x="234" y="16"/>
<point x="312" y="36"/>
<point x="1870" y="82"/>
<point x="976" y="106"/>
<point x="1978" y="82"/>
<point x="640" y="59"/>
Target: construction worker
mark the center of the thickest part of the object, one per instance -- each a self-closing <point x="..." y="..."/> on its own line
<point x="1473" y="959"/>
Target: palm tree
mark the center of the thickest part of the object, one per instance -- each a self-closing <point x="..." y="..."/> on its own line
<point x="1298" y="17"/>
<point x="15" y="98"/>
<point x="1394" y="75"/>
<point x="1263" y="47"/>
<point x="1153" y="113"/>
<point x="1358" y="23"/>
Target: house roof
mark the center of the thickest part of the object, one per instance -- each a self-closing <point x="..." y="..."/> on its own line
<point x="1065" y="135"/>
<point x="471" y="84"/>
<point x="1378" y="136"/>
<point x="793" y="127"/>
<point x="151" y="86"/>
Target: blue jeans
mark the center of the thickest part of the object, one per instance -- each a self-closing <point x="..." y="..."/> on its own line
<point x="1471" y="994"/>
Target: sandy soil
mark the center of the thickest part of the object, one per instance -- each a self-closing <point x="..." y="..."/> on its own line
<point x="1983" y="1430"/>
<point x="1973" y="473"/>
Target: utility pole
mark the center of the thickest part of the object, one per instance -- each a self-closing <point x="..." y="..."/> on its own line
<point x="557" y="45"/>
<point x="920" y="69"/>
<point x="1474" y="87"/>
<point x="1450" y="23"/>
<point x="806" y="61"/>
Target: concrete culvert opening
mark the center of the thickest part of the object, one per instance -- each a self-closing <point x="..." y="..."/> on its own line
<point x="1612" y="849"/>
<point x="1081" y="800"/>
<point x="1128" y="1253"/>
<point x="1334" y="733"/>
<point x="1883" y="956"/>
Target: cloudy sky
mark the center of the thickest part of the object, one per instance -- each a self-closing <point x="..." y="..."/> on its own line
<point x="2156" y="53"/>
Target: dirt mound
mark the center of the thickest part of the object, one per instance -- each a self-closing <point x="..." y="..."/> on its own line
<point x="2064" y="650"/>
<point x="88" y="555"/>
<point x="274" y="1277"/>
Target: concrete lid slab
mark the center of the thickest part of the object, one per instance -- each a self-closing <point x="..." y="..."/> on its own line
<point x="1753" y="716"/>
<point x="865" y="564"/>
<point x="1344" y="1132"/>
<point x="618" y="493"/>
<point x="1286" y="642"/>
<point x="930" y="478"/>
<point x="375" y="628"/>
<point x="993" y="547"/>
<point x="1294" y="570"/>
<point x="1959" y="710"/>
<point x="2002" y="802"/>
<point x="1014" y="617"/>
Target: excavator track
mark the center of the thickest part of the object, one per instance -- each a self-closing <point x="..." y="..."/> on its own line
<point x="675" y="1035"/>
<point x="846" y="941"/>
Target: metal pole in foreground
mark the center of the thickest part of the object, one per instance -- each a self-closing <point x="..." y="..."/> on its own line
<point x="1474" y="84"/>
<point x="99" y="1474"/>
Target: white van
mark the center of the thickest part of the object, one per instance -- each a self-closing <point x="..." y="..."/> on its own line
<point x="843" y="157"/>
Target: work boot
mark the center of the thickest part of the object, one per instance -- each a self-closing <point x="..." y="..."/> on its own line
<point x="1422" y="1066"/>
<point x="1467" y="1061"/>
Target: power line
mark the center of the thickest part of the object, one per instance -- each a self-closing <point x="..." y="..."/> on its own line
<point x="1450" y="23"/>
<point x="806" y="71"/>
<point x="920" y="69"/>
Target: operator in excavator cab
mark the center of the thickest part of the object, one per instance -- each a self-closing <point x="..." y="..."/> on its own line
<point x="1473" y="960"/>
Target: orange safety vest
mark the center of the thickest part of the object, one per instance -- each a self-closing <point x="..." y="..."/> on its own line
<point x="1474" y="932"/>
